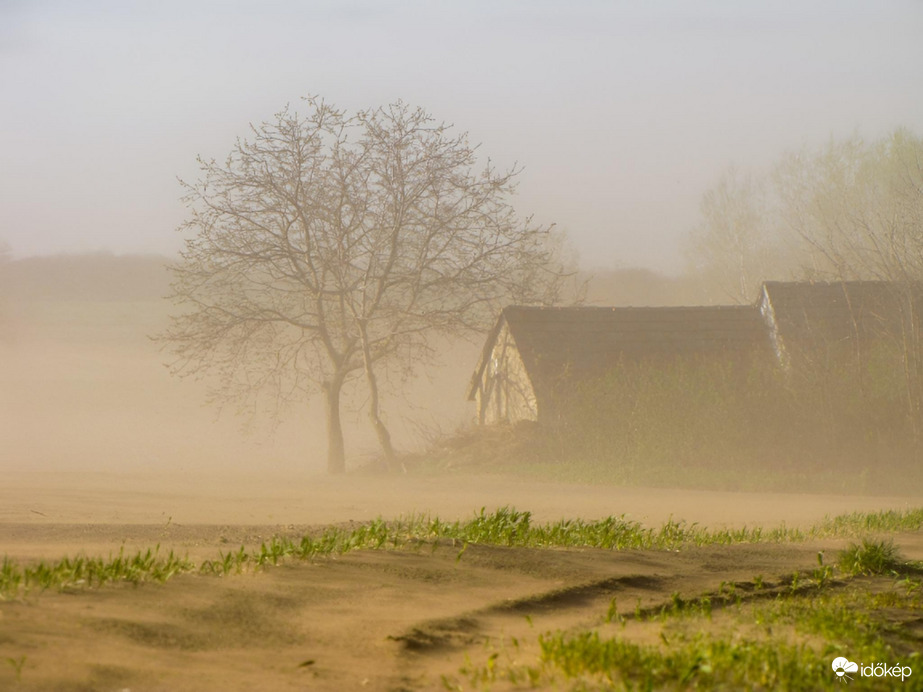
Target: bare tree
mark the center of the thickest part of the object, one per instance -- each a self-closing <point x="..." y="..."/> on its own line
<point x="852" y="209"/>
<point x="736" y="244"/>
<point x="858" y="206"/>
<point x="328" y="246"/>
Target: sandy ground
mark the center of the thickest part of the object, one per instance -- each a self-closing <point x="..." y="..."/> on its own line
<point x="224" y="498"/>
<point x="366" y="620"/>
<point x="48" y="514"/>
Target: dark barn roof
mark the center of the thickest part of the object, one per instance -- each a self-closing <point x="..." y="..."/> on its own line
<point x="583" y="341"/>
<point x="807" y="314"/>
<point x="792" y="324"/>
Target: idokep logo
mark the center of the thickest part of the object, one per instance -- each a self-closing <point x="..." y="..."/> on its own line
<point x="843" y="666"/>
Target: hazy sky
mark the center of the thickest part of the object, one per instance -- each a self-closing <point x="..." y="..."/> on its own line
<point x="622" y="113"/>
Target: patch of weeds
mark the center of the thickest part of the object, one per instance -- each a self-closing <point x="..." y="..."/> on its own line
<point x="857" y="616"/>
<point x="870" y="557"/>
<point x="505" y="526"/>
<point x="799" y="632"/>
<point x="83" y="572"/>
<point x="226" y="563"/>
<point x="858" y="523"/>
<point x="698" y="663"/>
<point x="837" y="618"/>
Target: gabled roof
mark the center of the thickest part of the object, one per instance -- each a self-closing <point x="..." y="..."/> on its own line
<point x="805" y="314"/>
<point x="581" y="341"/>
<point x="800" y="316"/>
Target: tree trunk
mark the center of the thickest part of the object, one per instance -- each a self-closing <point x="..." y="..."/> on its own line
<point x="381" y="430"/>
<point x="336" y="450"/>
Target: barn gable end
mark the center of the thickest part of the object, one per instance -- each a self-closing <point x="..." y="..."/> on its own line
<point x="501" y="386"/>
<point x="812" y="321"/>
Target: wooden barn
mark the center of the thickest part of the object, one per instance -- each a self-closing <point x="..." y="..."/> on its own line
<point x="533" y="352"/>
<point x="810" y="323"/>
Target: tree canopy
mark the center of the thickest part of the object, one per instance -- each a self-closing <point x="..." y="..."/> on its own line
<point x="327" y="245"/>
<point x="851" y="209"/>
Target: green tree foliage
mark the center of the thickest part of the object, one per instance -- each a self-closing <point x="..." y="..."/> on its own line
<point x="737" y="242"/>
<point x="852" y="209"/>
<point x="857" y="207"/>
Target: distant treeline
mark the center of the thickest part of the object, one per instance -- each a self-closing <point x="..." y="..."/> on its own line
<point x="92" y="277"/>
<point x="103" y="276"/>
<point x="638" y="287"/>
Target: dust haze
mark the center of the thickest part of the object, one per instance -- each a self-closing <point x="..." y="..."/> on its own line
<point x="105" y="454"/>
<point x="154" y="539"/>
<point x="86" y="387"/>
<point x="87" y="397"/>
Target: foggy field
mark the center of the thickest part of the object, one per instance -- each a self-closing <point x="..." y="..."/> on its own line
<point x="85" y="388"/>
<point x="473" y="347"/>
<point x="102" y="451"/>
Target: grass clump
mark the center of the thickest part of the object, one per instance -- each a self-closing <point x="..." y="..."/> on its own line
<point x="870" y="557"/>
<point x="858" y="523"/>
<point x="87" y="572"/>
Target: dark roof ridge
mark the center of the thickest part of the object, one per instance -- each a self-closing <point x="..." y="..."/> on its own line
<point x="833" y="282"/>
<point x="613" y="308"/>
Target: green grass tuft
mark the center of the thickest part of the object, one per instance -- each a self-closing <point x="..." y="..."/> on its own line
<point x="870" y="557"/>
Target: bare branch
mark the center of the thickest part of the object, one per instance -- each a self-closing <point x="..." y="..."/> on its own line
<point x="327" y="245"/>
